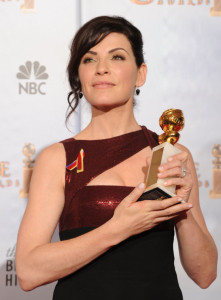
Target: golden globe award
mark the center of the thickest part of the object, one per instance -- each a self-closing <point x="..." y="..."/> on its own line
<point x="28" y="151"/>
<point x="28" y="6"/>
<point x="216" y="190"/>
<point x="171" y="121"/>
<point x="216" y="9"/>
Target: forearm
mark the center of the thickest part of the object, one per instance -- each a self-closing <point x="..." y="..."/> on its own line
<point x="49" y="262"/>
<point x="198" y="252"/>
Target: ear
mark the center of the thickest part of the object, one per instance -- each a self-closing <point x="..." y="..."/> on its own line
<point x="141" y="75"/>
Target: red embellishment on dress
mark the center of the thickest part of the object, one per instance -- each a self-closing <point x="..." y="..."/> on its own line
<point x="78" y="163"/>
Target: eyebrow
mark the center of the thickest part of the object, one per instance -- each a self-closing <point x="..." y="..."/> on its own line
<point x="110" y="51"/>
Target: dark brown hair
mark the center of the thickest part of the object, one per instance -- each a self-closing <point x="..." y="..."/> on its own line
<point x="89" y="35"/>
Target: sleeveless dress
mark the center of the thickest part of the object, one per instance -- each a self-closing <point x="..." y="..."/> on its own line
<point x="142" y="266"/>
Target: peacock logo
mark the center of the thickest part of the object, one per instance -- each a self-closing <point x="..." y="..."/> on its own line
<point x="32" y="73"/>
<point x="26" y="70"/>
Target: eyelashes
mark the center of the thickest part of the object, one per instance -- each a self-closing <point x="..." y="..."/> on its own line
<point x="87" y="60"/>
<point x="118" y="57"/>
<point x="114" y="57"/>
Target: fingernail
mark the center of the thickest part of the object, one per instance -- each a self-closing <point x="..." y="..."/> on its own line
<point x="170" y="159"/>
<point x="179" y="199"/>
<point x="160" y="168"/>
<point x="141" y="186"/>
<point x="165" y="183"/>
<point x="159" y="174"/>
<point x="190" y="205"/>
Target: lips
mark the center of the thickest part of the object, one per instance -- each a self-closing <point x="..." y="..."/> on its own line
<point x="103" y="84"/>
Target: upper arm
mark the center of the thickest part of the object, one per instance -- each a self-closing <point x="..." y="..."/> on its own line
<point x="46" y="200"/>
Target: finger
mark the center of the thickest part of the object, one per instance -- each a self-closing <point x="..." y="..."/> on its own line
<point x="171" y="211"/>
<point x="156" y="205"/>
<point x="185" y="181"/>
<point x="169" y="165"/>
<point x="174" y="172"/>
<point x="135" y="194"/>
<point x="183" y="156"/>
<point x="169" y="217"/>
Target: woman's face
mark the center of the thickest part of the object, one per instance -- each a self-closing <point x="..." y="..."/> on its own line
<point x="108" y="73"/>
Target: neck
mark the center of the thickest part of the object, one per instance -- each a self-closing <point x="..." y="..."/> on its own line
<point x="113" y="122"/>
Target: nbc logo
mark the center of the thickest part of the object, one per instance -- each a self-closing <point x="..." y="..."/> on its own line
<point x="31" y="71"/>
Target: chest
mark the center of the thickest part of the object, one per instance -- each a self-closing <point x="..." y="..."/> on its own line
<point x="129" y="172"/>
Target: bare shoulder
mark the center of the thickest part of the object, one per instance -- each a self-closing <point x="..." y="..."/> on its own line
<point x="52" y="156"/>
<point x="50" y="163"/>
<point x="54" y="151"/>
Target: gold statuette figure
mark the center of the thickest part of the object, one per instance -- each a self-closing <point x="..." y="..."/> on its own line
<point x="171" y="121"/>
<point x="28" y="6"/>
<point x="216" y="9"/>
<point x="28" y="151"/>
<point x="216" y="191"/>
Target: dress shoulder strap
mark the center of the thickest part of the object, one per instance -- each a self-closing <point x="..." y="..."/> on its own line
<point x="151" y="137"/>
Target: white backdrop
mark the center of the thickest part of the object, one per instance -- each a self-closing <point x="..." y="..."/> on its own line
<point x="182" y="51"/>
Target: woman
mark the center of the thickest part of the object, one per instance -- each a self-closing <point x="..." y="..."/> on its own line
<point x="112" y="246"/>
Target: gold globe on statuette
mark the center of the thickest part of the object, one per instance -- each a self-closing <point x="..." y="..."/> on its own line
<point x="171" y="121"/>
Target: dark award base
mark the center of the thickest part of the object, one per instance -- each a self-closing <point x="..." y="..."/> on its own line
<point x="154" y="194"/>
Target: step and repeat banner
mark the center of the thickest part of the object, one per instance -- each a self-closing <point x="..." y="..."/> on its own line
<point x="35" y="37"/>
<point x="183" y="53"/>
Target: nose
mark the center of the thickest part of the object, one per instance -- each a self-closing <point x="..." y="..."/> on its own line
<point x="102" y="67"/>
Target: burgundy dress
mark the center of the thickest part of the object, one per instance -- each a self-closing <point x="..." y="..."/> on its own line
<point x="141" y="267"/>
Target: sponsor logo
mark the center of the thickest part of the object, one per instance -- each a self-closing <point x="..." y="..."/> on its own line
<point x="214" y="11"/>
<point x="10" y="271"/>
<point x="30" y="74"/>
<point x="5" y="176"/>
<point x="171" y="2"/>
<point x="28" y="6"/>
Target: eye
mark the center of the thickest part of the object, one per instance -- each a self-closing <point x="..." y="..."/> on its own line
<point x="118" y="57"/>
<point x="87" y="60"/>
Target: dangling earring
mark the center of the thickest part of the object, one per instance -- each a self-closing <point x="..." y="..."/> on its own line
<point x="137" y="92"/>
<point x="80" y="95"/>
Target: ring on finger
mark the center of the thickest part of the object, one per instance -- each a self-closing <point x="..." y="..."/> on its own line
<point x="183" y="174"/>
